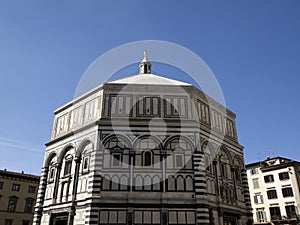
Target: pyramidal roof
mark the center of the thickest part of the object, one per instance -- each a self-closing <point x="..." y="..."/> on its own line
<point x="146" y="77"/>
<point x="149" y="79"/>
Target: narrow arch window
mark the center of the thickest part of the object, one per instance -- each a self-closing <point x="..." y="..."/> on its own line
<point x="85" y="165"/>
<point x="68" y="167"/>
<point x="147" y="159"/>
<point x="51" y="174"/>
<point x="237" y="174"/>
<point x="179" y="161"/>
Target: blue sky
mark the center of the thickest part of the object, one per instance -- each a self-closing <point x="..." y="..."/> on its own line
<point x="251" y="46"/>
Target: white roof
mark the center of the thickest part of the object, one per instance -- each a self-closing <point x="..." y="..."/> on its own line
<point x="149" y="79"/>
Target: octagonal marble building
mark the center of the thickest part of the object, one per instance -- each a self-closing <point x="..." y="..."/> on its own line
<point x="143" y="149"/>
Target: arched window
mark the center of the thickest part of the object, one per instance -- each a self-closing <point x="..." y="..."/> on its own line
<point x="28" y="205"/>
<point x="116" y="143"/>
<point x="146" y="152"/>
<point x="178" y="144"/>
<point x="180" y="183"/>
<point x="156" y="183"/>
<point x="189" y="183"/>
<point x="224" y="165"/>
<point x="138" y="182"/>
<point x="12" y="204"/>
<point x="124" y="183"/>
<point x="147" y="183"/>
<point x="181" y="152"/>
<point x="52" y="169"/>
<point x="106" y="182"/>
<point x="171" y="183"/>
<point x="237" y="169"/>
<point x="115" y="182"/>
<point x="86" y="149"/>
<point x="114" y="156"/>
<point x="68" y="165"/>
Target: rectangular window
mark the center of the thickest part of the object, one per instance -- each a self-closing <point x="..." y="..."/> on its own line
<point x="175" y="106"/>
<point x="8" y="222"/>
<point x="179" y="161"/>
<point x="275" y="213"/>
<point x="261" y="215"/>
<point x="255" y="183"/>
<point x="258" y="199"/>
<point x="31" y="189"/>
<point x="203" y="112"/>
<point x="90" y="110"/>
<point x="272" y="194"/>
<point x="85" y="165"/>
<point x="120" y="105"/>
<point x="182" y="217"/>
<point x="291" y="211"/>
<point x="112" y="217"/>
<point x="287" y="192"/>
<point x="76" y="117"/>
<point x="16" y="187"/>
<point x="1" y="184"/>
<point x="148" y="106"/>
<point x="230" y="128"/>
<point x="284" y="176"/>
<point x="62" y="124"/>
<point x="51" y="174"/>
<point x="116" y="160"/>
<point x="254" y="171"/>
<point x="68" y="167"/>
<point x="269" y="178"/>
<point x="25" y="222"/>
<point x="217" y="121"/>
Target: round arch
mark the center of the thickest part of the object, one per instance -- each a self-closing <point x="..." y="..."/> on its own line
<point x="154" y="138"/>
<point x="122" y="137"/>
<point x="224" y="149"/>
<point x="172" y="138"/>
<point x="82" y="145"/>
<point x="64" y="151"/>
<point x="49" y="158"/>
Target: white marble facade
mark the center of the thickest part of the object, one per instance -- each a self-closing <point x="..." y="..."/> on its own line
<point x="143" y="150"/>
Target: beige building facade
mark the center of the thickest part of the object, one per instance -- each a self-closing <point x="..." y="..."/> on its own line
<point x="274" y="189"/>
<point x="143" y="149"/>
<point x="18" y="193"/>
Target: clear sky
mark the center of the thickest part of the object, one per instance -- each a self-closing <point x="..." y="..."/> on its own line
<point x="251" y="46"/>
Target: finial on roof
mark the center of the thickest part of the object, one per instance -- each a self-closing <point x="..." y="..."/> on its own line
<point x="145" y="66"/>
<point x="145" y="57"/>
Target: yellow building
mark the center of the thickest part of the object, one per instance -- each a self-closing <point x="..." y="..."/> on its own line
<point x="18" y="193"/>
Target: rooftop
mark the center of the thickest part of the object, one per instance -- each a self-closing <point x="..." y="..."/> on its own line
<point x="149" y="79"/>
<point x="5" y="173"/>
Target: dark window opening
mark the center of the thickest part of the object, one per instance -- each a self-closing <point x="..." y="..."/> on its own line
<point x="287" y="192"/>
<point x="284" y="176"/>
<point x="16" y="187"/>
<point x="269" y="178"/>
<point x="68" y="167"/>
<point x="28" y="205"/>
<point x="31" y="189"/>
<point x="272" y="194"/>
<point x="275" y="213"/>
<point x="147" y="159"/>
<point x="12" y="204"/>
<point x="291" y="211"/>
<point x="116" y="159"/>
